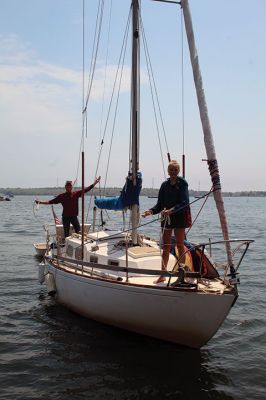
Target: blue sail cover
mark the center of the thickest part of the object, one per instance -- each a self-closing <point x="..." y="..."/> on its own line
<point x="129" y="196"/>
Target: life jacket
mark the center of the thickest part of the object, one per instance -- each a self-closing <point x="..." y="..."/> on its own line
<point x="188" y="257"/>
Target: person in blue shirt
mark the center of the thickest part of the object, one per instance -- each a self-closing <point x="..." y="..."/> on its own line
<point x="173" y="204"/>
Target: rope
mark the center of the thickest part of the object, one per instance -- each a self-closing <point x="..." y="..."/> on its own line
<point x="156" y="219"/>
<point x="35" y="208"/>
<point x="214" y="172"/>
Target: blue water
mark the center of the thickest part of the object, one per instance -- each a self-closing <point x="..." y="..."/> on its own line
<point x="47" y="352"/>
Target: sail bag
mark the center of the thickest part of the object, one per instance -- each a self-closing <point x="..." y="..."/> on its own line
<point x="128" y="197"/>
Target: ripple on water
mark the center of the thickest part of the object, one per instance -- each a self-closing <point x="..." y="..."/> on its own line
<point x="48" y="352"/>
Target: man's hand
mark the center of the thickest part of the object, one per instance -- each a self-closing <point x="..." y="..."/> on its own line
<point x="97" y="180"/>
<point x="146" y="213"/>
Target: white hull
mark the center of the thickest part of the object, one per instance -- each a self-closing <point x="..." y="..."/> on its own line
<point x="185" y="317"/>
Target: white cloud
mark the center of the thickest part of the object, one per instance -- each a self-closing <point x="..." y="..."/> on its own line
<point x="40" y="109"/>
<point x="13" y="50"/>
<point x="36" y="92"/>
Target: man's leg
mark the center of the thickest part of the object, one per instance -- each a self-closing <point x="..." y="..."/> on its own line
<point x="75" y="223"/>
<point x="66" y="224"/>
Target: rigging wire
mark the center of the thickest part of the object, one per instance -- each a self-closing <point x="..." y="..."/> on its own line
<point x="201" y="208"/>
<point x="95" y="48"/>
<point x="103" y="95"/>
<point x="120" y="61"/>
<point x="113" y="90"/>
<point x="154" y="90"/>
<point x="154" y="83"/>
<point x="96" y="40"/>
<point x="105" y="71"/>
<point x="156" y="219"/>
<point x="114" y="121"/>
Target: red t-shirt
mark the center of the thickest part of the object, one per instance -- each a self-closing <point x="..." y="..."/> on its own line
<point x="70" y="202"/>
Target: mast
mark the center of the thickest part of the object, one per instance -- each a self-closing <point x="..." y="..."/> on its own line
<point x="83" y="131"/>
<point x="83" y="206"/>
<point x="135" y="106"/>
<point x="208" y="138"/>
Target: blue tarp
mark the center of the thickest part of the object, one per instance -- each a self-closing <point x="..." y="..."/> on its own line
<point x="129" y="196"/>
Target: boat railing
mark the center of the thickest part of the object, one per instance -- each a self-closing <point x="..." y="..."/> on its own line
<point x="55" y="233"/>
<point x="203" y="254"/>
<point x="180" y="271"/>
<point x="79" y="265"/>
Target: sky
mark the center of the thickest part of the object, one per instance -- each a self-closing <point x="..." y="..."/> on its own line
<point x="41" y="92"/>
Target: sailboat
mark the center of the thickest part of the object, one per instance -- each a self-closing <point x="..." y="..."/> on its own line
<point x="108" y="275"/>
<point x="198" y="193"/>
<point x="152" y="196"/>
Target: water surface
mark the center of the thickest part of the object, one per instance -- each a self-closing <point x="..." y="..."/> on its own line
<point x="48" y="352"/>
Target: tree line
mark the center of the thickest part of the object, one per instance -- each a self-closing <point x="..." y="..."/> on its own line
<point x="115" y="191"/>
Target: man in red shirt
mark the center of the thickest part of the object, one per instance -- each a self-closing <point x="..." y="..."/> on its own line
<point x="70" y="203"/>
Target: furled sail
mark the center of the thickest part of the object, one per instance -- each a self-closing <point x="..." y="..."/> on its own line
<point x="128" y="197"/>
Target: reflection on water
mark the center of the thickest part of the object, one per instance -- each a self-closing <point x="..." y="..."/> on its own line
<point x="91" y="360"/>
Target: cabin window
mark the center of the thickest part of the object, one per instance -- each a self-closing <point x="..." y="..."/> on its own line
<point x="78" y="253"/>
<point x="114" y="263"/>
<point x="69" y="251"/>
<point x="94" y="259"/>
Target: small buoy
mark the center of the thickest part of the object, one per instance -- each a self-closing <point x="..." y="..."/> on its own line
<point x="41" y="272"/>
<point x="50" y="284"/>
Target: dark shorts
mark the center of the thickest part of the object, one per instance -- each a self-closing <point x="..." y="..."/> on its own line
<point x="180" y="219"/>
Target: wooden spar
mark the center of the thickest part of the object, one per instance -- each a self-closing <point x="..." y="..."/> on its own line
<point x="83" y="205"/>
<point x="206" y="127"/>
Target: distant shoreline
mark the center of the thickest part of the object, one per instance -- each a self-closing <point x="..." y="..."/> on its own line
<point x="53" y="191"/>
